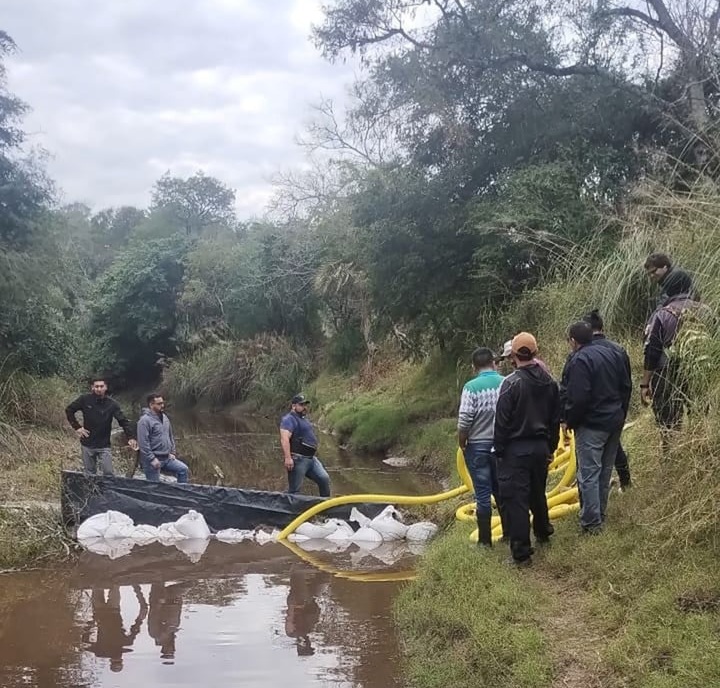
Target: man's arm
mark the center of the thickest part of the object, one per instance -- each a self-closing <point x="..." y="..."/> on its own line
<point x="554" y="424"/>
<point x="126" y="425"/>
<point x="503" y="417"/>
<point x="466" y="416"/>
<point x="626" y="387"/>
<point x="579" y="392"/>
<point x="70" y="410"/>
<point x="651" y="359"/>
<point x="172" y="437"/>
<point x="285" y="436"/>
<point x="143" y="440"/>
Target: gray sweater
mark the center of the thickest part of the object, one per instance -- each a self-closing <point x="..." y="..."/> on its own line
<point x="154" y="436"/>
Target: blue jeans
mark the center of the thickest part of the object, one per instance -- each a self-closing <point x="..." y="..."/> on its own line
<point x="310" y="467"/>
<point x="596" y="451"/>
<point x="167" y="465"/>
<point x="480" y="462"/>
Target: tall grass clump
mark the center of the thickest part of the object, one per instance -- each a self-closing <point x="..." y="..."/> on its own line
<point x="265" y="370"/>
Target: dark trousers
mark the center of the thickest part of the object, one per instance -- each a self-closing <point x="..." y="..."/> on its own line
<point x="522" y="478"/>
<point x="622" y="467"/>
<point x="668" y="401"/>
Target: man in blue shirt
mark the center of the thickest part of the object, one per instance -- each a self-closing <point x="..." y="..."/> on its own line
<point x="299" y="445"/>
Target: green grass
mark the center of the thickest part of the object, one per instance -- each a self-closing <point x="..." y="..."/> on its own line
<point x="469" y="621"/>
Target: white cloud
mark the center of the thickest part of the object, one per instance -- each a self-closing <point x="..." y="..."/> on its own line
<point x="123" y="91"/>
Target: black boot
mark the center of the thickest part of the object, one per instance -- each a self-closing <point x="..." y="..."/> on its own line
<point x="484" y="530"/>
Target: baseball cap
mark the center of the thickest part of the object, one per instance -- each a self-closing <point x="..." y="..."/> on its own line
<point x="525" y="344"/>
<point x="300" y="399"/>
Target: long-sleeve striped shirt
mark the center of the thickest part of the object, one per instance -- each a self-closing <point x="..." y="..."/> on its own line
<point x="477" y="406"/>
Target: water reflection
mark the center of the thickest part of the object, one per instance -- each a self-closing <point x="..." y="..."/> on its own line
<point x="111" y="640"/>
<point x="242" y="615"/>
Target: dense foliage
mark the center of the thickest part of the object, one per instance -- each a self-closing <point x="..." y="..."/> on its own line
<point x="485" y="140"/>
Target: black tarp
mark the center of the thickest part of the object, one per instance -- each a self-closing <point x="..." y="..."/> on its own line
<point x="155" y="503"/>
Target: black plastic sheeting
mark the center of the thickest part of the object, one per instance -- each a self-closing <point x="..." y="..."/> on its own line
<point x="155" y="503"/>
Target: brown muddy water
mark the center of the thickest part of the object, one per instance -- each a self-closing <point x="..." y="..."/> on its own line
<point x="231" y="615"/>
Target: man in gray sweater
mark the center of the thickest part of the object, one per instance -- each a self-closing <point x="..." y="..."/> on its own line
<point x="157" y="443"/>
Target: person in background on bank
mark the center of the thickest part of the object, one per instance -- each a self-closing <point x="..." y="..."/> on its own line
<point x="507" y="356"/>
<point x="597" y="397"/>
<point x="98" y="411"/>
<point x="662" y="383"/>
<point x="526" y="430"/>
<point x="157" y="442"/>
<point x="593" y="318"/>
<point x="299" y="446"/>
<point x="476" y="420"/>
<point x="672" y="279"/>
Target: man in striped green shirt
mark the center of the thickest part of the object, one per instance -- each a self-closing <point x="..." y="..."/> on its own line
<point x="476" y="418"/>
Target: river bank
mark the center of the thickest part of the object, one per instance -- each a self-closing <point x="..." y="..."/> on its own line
<point x="638" y="606"/>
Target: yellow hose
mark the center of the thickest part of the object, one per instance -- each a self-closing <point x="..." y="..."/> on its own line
<point x="562" y="499"/>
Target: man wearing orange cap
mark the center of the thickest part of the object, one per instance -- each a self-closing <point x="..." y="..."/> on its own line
<point x="527" y="424"/>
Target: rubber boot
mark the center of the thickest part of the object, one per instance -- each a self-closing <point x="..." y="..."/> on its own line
<point x="484" y="530"/>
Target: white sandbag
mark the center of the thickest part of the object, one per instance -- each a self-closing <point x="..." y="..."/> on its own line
<point x="232" y="535"/>
<point x="144" y="534"/>
<point x="419" y="532"/>
<point x="297" y="537"/>
<point x="343" y="532"/>
<point x="96" y="525"/>
<point x="119" y="531"/>
<point x="169" y="534"/>
<point x="324" y="545"/>
<point x="193" y="526"/>
<point x="366" y="534"/>
<point x="416" y="547"/>
<point x="114" y="549"/>
<point x="358" y="517"/>
<point x="387" y="523"/>
<point x="317" y="531"/>
<point x="262" y="537"/>
<point x="193" y="548"/>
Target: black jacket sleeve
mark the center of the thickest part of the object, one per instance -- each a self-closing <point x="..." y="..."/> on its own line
<point x="554" y="423"/>
<point x="123" y="422"/>
<point x="504" y="412"/>
<point x="562" y="391"/>
<point x="579" y="391"/>
<point x="71" y="409"/>
<point x="626" y="384"/>
<point x="654" y="345"/>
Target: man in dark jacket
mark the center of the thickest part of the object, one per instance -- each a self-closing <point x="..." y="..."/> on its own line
<point x="673" y="280"/>
<point x="527" y="425"/>
<point x="98" y="411"/>
<point x="594" y="319"/>
<point x="597" y="397"/>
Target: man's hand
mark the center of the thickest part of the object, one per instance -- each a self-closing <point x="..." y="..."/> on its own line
<point x="646" y="395"/>
<point x="172" y="457"/>
<point x="82" y="433"/>
<point x="133" y="445"/>
<point x="155" y="463"/>
<point x="289" y="463"/>
<point x="564" y="430"/>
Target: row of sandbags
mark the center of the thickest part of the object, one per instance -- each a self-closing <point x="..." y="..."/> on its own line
<point x="385" y="527"/>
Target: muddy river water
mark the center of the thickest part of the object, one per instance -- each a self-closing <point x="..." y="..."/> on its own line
<point x="242" y="614"/>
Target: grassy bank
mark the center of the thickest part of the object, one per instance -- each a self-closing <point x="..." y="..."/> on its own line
<point x="639" y="606"/>
<point x="35" y="446"/>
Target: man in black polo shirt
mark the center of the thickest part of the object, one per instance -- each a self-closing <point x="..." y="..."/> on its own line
<point x="98" y="411"/>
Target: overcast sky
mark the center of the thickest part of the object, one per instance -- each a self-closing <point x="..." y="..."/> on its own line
<point x="123" y="90"/>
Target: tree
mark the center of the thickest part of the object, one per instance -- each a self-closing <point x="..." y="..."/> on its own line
<point x="197" y="203"/>
<point x="134" y="311"/>
<point x="541" y="38"/>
